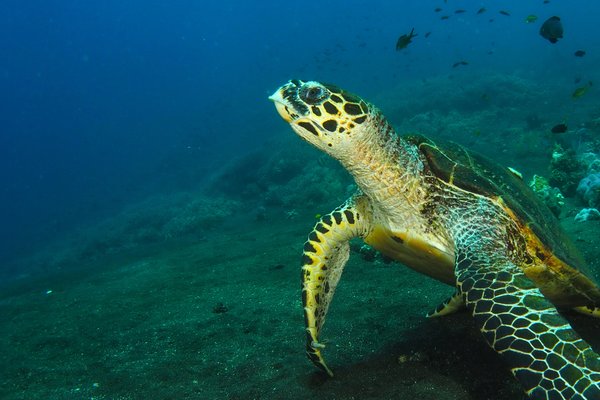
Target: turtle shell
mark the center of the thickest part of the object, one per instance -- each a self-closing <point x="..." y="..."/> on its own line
<point x="476" y="173"/>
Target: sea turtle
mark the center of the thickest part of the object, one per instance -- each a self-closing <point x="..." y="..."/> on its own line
<point x="458" y="217"/>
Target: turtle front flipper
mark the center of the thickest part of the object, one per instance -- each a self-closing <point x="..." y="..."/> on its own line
<point x="545" y="354"/>
<point x="325" y="254"/>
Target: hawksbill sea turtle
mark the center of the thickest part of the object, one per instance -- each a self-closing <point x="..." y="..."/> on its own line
<point x="457" y="217"/>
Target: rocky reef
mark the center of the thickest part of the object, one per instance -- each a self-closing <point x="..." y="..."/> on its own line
<point x="588" y="190"/>
<point x="551" y="196"/>
<point x="565" y="170"/>
<point x="587" y="214"/>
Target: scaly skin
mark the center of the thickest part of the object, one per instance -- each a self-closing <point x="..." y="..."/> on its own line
<point x="465" y="239"/>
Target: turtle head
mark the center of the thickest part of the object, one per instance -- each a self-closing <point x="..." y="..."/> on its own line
<point x="324" y="115"/>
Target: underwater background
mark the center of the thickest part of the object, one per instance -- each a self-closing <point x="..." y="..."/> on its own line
<point x="154" y="205"/>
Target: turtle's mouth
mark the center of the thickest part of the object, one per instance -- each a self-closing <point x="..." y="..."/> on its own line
<point x="281" y="106"/>
<point x="287" y="102"/>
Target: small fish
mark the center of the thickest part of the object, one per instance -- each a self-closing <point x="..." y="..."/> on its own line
<point x="405" y="40"/>
<point x="481" y="10"/>
<point x="437" y="9"/>
<point x="427" y="34"/>
<point x="444" y="17"/>
<point x="546" y="1"/>
<point x="580" y="91"/>
<point x="531" y="19"/>
<point x="560" y="128"/>
<point x="552" y="29"/>
<point x="505" y="13"/>
<point x="460" y="11"/>
<point x="459" y="63"/>
<point x="579" y="53"/>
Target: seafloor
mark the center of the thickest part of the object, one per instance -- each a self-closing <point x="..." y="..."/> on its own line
<point x="197" y="296"/>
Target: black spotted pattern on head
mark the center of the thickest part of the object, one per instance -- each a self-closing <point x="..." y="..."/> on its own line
<point x="333" y="88"/>
<point x="330" y="108"/>
<point x="360" y="120"/>
<point x="352" y="109"/>
<point x="364" y="107"/>
<point x="330" y="125"/>
<point x="309" y="127"/>
<point x="290" y="93"/>
<point x="349" y="97"/>
<point x="336" y="98"/>
<point x="316" y="110"/>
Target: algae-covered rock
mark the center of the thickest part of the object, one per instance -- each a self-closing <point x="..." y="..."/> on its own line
<point x="591" y="162"/>
<point x="589" y="190"/>
<point x="565" y="170"/>
<point x="587" y="214"/>
<point x="551" y="196"/>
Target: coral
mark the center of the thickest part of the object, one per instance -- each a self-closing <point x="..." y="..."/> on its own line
<point x="587" y="214"/>
<point x="591" y="161"/>
<point x="566" y="170"/>
<point x="589" y="190"/>
<point x="551" y="196"/>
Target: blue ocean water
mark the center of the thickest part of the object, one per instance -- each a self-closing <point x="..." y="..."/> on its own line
<point x="106" y="102"/>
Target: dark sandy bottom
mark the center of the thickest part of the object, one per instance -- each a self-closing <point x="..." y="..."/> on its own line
<point x="221" y="319"/>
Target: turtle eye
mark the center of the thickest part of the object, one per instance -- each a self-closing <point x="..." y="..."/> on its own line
<point x="313" y="94"/>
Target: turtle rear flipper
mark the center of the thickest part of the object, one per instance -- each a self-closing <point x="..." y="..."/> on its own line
<point x="541" y="348"/>
<point x="593" y="311"/>
<point x="451" y="305"/>
<point x="325" y="254"/>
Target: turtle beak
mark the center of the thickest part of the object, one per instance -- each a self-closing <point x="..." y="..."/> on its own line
<point x="281" y="105"/>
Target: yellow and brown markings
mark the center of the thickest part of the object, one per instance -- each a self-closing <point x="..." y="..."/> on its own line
<point x="543" y="351"/>
<point x="341" y="112"/>
<point x="561" y="283"/>
<point x="324" y="257"/>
